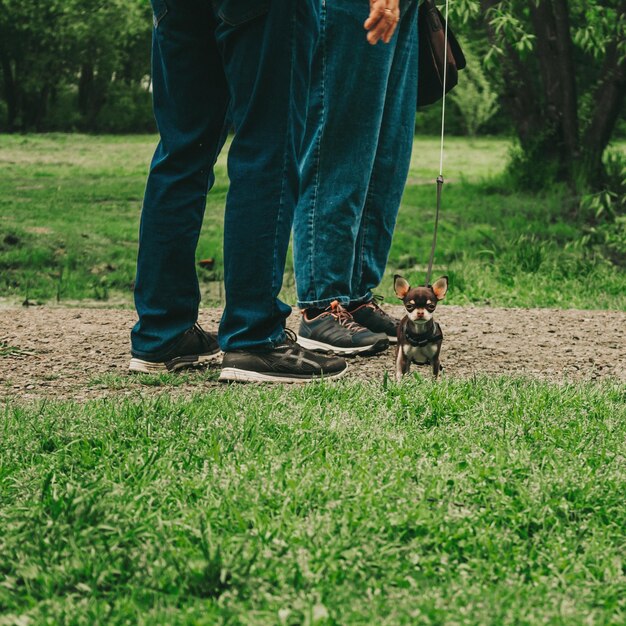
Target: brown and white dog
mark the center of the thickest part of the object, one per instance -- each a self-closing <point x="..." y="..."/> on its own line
<point x="419" y="336"/>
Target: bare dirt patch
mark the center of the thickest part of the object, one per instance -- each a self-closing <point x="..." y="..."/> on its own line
<point x="80" y="353"/>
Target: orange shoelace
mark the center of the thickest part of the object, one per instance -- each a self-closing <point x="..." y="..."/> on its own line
<point x="344" y="317"/>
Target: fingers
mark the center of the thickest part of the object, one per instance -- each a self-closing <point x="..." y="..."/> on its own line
<point x="391" y="29"/>
<point x="382" y="21"/>
<point x="392" y="12"/>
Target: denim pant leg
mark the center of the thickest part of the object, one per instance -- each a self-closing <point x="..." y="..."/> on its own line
<point x="190" y="101"/>
<point x="267" y="63"/>
<point x="348" y="100"/>
<point x="391" y="165"/>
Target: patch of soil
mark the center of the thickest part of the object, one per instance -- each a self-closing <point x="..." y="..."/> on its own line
<point x="81" y="353"/>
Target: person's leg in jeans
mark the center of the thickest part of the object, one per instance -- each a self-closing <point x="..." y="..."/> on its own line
<point x="386" y="185"/>
<point x="269" y="86"/>
<point x="269" y="93"/>
<point x="354" y="88"/>
<point x="249" y="58"/>
<point x="190" y="96"/>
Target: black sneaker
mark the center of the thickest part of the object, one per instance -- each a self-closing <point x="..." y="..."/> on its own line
<point x="194" y="348"/>
<point x="335" y="330"/>
<point x="287" y="363"/>
<point x="375" y="319"/>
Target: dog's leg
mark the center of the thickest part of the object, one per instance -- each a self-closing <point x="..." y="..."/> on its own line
<point x="402" y="363"/>
<point x="436" y="367"/>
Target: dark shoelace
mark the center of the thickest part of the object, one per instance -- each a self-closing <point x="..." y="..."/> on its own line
<point x="290" y="336"/>
<point x="373" y="304"/>
<point x="198" y="328"/>
<point x="290" y="341"/>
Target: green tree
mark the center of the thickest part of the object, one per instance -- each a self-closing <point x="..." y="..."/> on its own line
<point x="33" y="54"/>
<point x="48" y="44"/>
<point x="475" y="97"/>
<point x="560" y="67"/>
<point x="112" y="42"/>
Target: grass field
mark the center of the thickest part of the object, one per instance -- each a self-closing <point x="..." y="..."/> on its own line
<point x="481" y="502"/>
<point x="486" y="502"/>
<point x="69" y="212"/>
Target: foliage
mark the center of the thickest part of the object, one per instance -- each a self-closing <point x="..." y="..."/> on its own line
<point x="474" y="95"/>
<point x="560" y="70"/>
<point x="70" y="65"/>
<point x="48" y="45"/>
<point x="605" y="210"/>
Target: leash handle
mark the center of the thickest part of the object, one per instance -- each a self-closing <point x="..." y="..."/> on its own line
<point x="440" y="177"/>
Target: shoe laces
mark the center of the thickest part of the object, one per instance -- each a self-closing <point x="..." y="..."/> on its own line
<point x="290" y="341"/>
<point x="373" y="304"/>
<point x="345" y="318"/>
<point x="290" y="336"/>
<point x="197" y="328"/>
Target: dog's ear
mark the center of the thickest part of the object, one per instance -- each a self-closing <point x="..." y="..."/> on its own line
<point x="401" y="286"/>
<point x="441" y="287"/>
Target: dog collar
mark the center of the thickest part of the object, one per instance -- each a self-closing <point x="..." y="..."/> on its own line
<point x="430" y="336"/>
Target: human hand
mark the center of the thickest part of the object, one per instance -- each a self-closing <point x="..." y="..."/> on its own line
<point x="382" y="21"/>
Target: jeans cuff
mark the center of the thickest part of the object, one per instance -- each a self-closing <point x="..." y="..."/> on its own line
<point x="366" y="298"/>
<point x="322" y="304"/>
<point x="264" y="346"/>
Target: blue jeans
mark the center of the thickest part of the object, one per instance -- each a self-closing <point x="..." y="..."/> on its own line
<point x="358" y="151"/>
<point x="239" y="63"/>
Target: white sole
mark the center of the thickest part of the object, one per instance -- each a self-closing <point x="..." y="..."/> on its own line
<point x="234" y="374"/>
<point x="146" y="367"/>
<point x="318" y="346"/>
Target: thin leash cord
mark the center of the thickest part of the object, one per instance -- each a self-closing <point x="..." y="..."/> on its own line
<point x="440" y="177"/>
<point x="443" y="105"/>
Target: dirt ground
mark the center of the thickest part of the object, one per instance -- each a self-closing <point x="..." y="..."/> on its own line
<point x="81" y="353"/>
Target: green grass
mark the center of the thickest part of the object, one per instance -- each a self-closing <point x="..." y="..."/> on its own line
<point x="167" y="379"/>
<point x="488" y="501"/>
<point x="7" y="350"/>
<point x="492" y="501"/>
<point x="70" y="205"/>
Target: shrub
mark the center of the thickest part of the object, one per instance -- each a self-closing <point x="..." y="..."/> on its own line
<point x="128" y="109"/>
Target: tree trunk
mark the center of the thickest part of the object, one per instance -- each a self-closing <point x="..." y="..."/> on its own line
<point x="550" y="21"/>
<point x="42" y="108"/>
<point x="10" y="90"/>
<point x="85" y="88"/>
<point x="569" y="101"/>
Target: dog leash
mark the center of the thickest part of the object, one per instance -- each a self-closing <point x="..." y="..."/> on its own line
<point x="440" y="177"/>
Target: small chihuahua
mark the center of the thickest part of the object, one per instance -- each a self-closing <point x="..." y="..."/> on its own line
<point x="419" y="336"/>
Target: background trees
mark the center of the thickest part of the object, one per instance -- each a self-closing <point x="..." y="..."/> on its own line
<point x="559" y="67"/>
<point x="550" y="72"/>
<point x="63" y="61"/>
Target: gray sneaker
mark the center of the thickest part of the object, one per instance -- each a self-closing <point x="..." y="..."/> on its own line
<point x="370" y="315"/>
<point x="287" y="363"/>
<point x="335" y="331"/>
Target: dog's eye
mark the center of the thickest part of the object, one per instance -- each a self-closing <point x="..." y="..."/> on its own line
<point x="409" y="307"/>
<point x="431" y="307"/>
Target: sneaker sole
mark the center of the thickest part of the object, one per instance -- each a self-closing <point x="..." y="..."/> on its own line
<point x="236" y="375"/>
<point x="147" y="367"/>
<point x="318" y="346"/>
